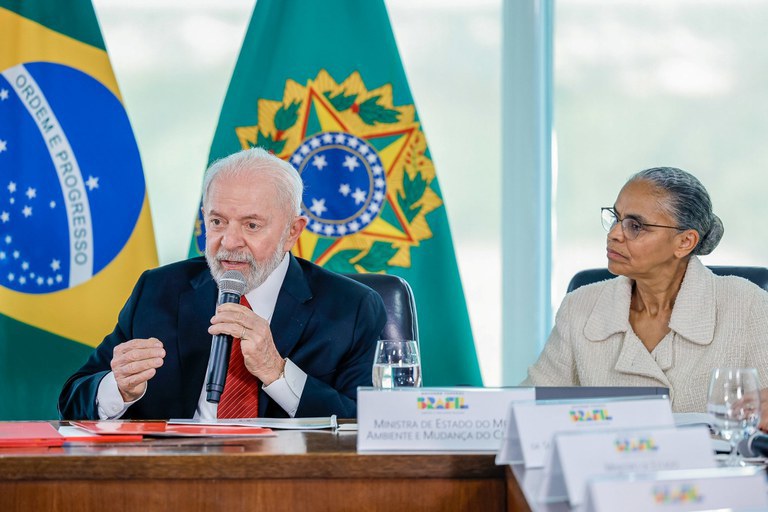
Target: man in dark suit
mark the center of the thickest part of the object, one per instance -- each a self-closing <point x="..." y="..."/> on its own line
<point x="307" y="335"/>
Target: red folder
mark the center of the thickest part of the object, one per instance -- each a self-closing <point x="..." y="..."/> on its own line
<point x="163" y="429"/>
<point x="43" y="434"/>
<point x="29" y="433"/>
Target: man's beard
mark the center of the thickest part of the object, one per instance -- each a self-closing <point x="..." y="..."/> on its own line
<point x="257" y="273"/>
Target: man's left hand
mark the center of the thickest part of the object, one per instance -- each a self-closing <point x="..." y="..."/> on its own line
<point x="259" y="352"/>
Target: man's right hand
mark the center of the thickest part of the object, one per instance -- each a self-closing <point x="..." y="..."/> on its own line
<point x="134" y="363"/>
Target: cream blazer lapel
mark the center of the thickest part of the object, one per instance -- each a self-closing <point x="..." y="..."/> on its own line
<point x="693" y="320"/>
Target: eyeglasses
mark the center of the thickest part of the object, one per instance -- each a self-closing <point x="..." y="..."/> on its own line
<point x="630" y="226"/>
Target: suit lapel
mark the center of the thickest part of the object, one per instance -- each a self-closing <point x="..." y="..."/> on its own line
<point x="292" y="312"/>
<point x="196" y="306"/>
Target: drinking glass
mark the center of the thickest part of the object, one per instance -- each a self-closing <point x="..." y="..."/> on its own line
<point x="733" y="403"/>
<point x="396" y="364"/>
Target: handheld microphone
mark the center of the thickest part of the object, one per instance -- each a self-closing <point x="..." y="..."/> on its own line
<point x="755" y="445"/>
<point x="231" y="287"/>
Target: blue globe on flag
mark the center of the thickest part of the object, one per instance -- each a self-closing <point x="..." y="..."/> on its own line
<point x="71" y="181"/>
<point x="344" y="183"/>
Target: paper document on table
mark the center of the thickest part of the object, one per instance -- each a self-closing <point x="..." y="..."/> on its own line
<point x="685" y="419"/>
<point x="275" y="423"/>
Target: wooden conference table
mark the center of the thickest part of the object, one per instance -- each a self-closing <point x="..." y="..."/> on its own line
<point x="307" y="470"/>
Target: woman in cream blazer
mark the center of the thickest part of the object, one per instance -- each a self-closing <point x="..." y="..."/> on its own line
<point x="667" y="320"/>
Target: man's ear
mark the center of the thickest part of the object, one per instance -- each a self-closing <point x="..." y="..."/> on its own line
<point x="686" y="242"/>
<point x="294" y="232"/>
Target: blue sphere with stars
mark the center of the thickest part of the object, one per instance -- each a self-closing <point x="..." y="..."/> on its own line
<point x="344" y="183"/>
<point x="71" y="181"/>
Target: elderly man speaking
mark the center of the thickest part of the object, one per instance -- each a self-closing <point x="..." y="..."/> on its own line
<point x="304" y="336"/>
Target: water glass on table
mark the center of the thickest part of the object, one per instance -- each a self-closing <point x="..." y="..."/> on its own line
<point x="396" y="364"/>
<point x="733" y="404"/>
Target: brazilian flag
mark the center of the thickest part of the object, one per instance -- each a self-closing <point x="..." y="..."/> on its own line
<point x="321" y="85"/>
<point x="75" y="226"/>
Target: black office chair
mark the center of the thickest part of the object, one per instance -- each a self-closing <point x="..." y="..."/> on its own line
<point x="758" y="275"/>
<point x="397" y="295"/>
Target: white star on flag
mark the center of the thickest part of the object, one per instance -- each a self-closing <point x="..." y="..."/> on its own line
<point x="318" y="207"/>
<point x="371" y="158"/>
<point x="3" y="94"/>
<point x="12" y="187"/>
<point x="314" y="143"/>
<point x="11" y="276"/>
<point x="328" y="230"/>
<point x="364" y="149"/>
<point x="344" y="189"/>
<point x="377" y="169"/>
<point x="3" y="145"/>
<point x="5" y="216"/>
<point x="59" y="278"/>
<point x="296" y="159"/>
<point x="52" y="204"/>
<point x="352" y="142"/>
<point x="27" y="211"/>
<point x="327" y="138"/>
<point x="304" y="149"/>
<point x="378" y="196"/>
<point x="22" y="280"/>
<point x="340" y="138"/>
<point x="379" y="183"/>
<point x="365" y="218"/>
<point x="354" y="226"/>
<point x="351" y="163"/>
<point x="358" y="196"/>
<point x="342" y="230"/>
<point x="31" y="193"/>
<point x="92" y="182"/>
<point x="319" y="162"/>
<point x="25" y="265"/>
<point x="55" y="265"/>
<point x="2" y="255"/>
<point x="8" y="239"/>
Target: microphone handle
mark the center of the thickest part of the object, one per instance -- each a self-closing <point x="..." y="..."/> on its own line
<point x="218" y="361"/>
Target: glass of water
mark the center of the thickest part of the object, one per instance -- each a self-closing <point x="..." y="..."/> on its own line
<point x="733" y="404"/>
<point x="396" y="364"/>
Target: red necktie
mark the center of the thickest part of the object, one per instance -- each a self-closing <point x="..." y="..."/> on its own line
<point x="240" y="398"/>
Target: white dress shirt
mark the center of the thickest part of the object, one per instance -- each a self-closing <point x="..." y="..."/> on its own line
<point x="286" y="390"/>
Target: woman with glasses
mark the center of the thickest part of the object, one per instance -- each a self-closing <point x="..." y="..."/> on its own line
<point x="667" y="320"/>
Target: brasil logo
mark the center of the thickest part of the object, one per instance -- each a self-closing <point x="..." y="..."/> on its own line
<point x="369" y="179"/>
<point x="71" y="182"/>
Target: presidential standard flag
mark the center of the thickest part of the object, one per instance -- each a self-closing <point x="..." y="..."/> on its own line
<point x="75" y="227"/>
<point x="321" y="85"/>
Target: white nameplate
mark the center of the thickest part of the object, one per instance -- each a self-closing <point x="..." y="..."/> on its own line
<point x="531" y="425"/>
<point x="576" y="457"/>
<point x="677" y="491"/>
<point x="434" y="419"/>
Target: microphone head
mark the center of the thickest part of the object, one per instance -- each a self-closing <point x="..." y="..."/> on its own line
<point x="233" y="281"/>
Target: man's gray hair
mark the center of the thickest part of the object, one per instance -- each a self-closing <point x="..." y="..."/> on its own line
<point x="688" y="202"/>
<point x="257" y="160"/>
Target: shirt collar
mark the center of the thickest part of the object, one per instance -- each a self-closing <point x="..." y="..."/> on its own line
<point x="263" y="298"/>
<point x="693" y="316"/>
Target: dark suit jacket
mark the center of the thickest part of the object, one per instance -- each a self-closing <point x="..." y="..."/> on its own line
<point x="325" y="323"/>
